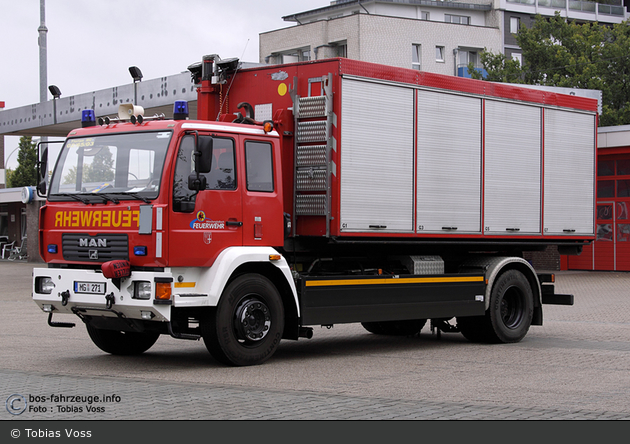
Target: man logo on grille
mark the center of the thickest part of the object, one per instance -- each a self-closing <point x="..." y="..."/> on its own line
<point x="85" y="242"/>
<point x="94" y="254"/>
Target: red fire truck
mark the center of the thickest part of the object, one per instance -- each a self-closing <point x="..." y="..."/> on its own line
<point x="312" y="194"/>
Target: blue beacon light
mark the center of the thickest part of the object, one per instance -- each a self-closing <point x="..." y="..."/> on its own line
<point x="180" y="110"/>
<point x="88" y="118"/>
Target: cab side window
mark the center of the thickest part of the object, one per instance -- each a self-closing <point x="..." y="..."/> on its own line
<point x="259" y="159"/>
<point x="221" y="177"/>
<point x="183" y="198"/>
<point x="223" y="174"/>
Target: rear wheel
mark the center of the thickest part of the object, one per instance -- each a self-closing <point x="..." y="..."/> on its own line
<point x="122" y="342"/>
<point x="509" y="315"/>
<point x="395" y="328"/>
<point x="248" y="323"/>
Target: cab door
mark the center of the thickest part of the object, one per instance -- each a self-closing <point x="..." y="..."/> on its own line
<point x="263" y="216"/>
<point x="204" y="224"/>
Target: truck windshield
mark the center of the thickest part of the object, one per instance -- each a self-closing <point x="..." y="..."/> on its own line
<point x="120" y="166"/>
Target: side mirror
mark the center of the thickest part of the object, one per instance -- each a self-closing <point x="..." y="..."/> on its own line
<point x="42" y="173"/>
<point x="197" y="182"/>
<point x="203" y="155"/>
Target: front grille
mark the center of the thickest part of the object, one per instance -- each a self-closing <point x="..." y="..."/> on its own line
<point x="99" y="248"/>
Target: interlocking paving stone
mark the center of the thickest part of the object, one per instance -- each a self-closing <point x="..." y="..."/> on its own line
<point x="142" y="400"/>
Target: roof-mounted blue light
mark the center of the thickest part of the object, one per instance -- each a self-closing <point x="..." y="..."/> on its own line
<point x="88" y="118"/>
<point x="180" y="110"/>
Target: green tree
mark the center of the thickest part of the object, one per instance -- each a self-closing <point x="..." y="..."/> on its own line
<point x="8" y="172"/>
<point x="26" y="172"/>
<point x="571" y="55"/>
<point x="99" y="168"/>
<point x="102" y="167"/>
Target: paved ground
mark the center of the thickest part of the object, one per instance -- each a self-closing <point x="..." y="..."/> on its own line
<point x="573" y="367"/>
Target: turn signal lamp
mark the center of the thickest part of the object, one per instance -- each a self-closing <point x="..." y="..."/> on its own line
<point x="267" y="126"/>
<point x="88" y="118"/>
<point x="163" y="291"/>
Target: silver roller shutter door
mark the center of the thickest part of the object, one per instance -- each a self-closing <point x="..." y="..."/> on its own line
<point x="376" y="152"/>
<point x="569" y="172"/>
<point x="512" y="191"/>
<point x="449" y="163"/>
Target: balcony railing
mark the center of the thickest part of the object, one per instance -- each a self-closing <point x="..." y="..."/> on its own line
<point x="614" y="7"/>
<point x="462" y="71"/>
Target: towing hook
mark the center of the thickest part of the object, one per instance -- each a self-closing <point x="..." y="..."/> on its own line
<point x="64" y="297"/>
<point x="110" y="299"/>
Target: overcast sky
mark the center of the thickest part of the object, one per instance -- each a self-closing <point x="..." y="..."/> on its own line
<point x="91" y="44"/>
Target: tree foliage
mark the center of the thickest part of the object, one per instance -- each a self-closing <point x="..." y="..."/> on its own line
<point x="26" y="172"/>
<point x="571" y="55"/>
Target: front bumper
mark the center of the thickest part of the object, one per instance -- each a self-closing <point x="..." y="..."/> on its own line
<point x="112" y="298"/>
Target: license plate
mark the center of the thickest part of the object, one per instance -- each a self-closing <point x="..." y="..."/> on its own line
<point x="89" y="287"/>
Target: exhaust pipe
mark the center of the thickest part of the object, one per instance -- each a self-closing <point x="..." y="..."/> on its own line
<point x="305" y="332"/>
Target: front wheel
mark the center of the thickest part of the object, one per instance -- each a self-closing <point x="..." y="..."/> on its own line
<point x="122" y="342"/>
<point x="247" y="325"/>
<point x="509" y="315"/>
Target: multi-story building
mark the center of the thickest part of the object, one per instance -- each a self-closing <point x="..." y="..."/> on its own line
<point x="435" y="36"/>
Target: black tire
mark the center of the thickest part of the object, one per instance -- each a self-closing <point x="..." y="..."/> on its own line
<point x="247" y="325"/>
<point x="122" y="342"/>
<point x="509" y="315"/>
<point x="408" y="327"/>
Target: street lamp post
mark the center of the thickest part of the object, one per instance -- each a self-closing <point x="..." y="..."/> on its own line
<point x="56" y="93"/>
<point x="136" y="74"/>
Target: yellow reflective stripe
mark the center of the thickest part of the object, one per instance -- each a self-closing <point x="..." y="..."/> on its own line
<point x="184" y="284"/>
<point x="427" y="280"/>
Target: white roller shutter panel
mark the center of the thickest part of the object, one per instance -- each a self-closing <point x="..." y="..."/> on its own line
<point x="512" y="202"/>
<point x="449" y="163"/>
<point x="569" y="172"/>
<point x="376" y="157"/>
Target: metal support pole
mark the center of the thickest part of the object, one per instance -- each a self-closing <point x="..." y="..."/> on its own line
<point x="43" y="57"/>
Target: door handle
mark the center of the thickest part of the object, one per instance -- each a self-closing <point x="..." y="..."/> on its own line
<point x="233" y="223"/>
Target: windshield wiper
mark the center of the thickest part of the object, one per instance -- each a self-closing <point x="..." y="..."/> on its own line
<point x="137" y="196"/>
<point x="107" y="198"/>
<point x="134" y="195"/>
<point x="75" y="197"/>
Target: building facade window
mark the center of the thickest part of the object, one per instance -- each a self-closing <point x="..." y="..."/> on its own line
<point x="439" y="53"/>
<point x="416" y="57"/>
<point x="515" y="24"/>
<point x="296" y="55"/>
<point x="341" y="50"/>
<point x="460" y="19"/>
<point x="518" y="57"/>
<point x="467" y="57"/>
<point x="424" y="15"/>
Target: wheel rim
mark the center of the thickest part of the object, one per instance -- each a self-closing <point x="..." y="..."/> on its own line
<point x="252" y="319"/>
<point x="512" y="308"/>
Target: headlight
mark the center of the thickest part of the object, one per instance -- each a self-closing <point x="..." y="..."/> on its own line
<point x="44" y="284"/>
<point x="142" y="290"/>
